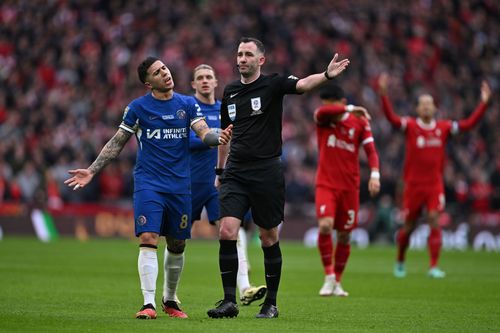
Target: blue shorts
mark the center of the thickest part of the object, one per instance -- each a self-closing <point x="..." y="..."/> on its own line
<point x="166" y="214"/>
<point x="205" y="195"/>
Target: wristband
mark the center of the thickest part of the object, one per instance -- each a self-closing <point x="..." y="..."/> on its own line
<point x="349" y="108"/>
<point x="219" y="171"/>
<point x="327" y="76"/>
<point x="375" y="175"/>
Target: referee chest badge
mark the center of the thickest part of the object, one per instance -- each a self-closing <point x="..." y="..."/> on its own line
<point x="255" y="103"/>
<point x="231" y="110"/>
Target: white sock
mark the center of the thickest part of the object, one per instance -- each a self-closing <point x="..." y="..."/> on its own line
<point x="242" y="277"/>
<point x="173" y="265"/>
<point x="148" y="272"/>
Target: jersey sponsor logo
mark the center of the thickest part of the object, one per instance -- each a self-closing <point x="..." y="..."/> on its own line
<point x="181" y="114"/>
<point x="422" y="142"/>
<point x="166" y="133"/>
<point x="141" y="220"/>
<point x="341" y="144"/>
<point x="231" y="110"/>
<point x="168" y="117"/>
<point x="255" y="103"/>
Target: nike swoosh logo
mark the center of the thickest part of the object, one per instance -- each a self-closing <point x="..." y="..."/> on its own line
<point x="270" y="276"/>
<point x="153" y="117"/>
<point x="232" y="95"/>
<point x="226" y="272"/>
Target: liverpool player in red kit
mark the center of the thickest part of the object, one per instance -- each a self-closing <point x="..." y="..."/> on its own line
<point x="341" y="130"/>
<point x="426" y="140"/>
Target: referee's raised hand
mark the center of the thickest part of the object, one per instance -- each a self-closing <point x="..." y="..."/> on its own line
<point x="336" y="67"/>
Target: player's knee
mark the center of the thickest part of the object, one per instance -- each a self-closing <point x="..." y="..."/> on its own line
<point x="433" y="219"/>
<point x="325" y="225"/>
<point x="344" y="237"/>
<point x="229" y="229"/>
<point x="148" y="238"/>
<point x="176" y="246"/>
<point x="269" y="237"/>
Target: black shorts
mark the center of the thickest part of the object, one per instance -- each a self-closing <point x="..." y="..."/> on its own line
<point x="258" y="185"/>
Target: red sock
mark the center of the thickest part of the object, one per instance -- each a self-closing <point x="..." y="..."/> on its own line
<point x="434" y="242"/>
<point x="403" y="239"/>
<point x="341" y="255"/>
<point x="325" y="247"/>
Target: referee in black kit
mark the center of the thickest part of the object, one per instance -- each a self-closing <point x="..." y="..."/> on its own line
<point x="253" y="175"/>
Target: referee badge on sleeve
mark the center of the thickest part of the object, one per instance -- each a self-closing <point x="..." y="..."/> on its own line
<point x="231" y="110"/>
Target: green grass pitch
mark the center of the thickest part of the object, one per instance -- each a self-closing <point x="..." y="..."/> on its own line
<point x="70" y="286"/>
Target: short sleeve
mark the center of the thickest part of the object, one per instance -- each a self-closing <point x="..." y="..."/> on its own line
<point x="130" y="121"/>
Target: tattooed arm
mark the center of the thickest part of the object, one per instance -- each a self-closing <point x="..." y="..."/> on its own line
<point x="211" y="137"/>
<point x="81" y="177"/>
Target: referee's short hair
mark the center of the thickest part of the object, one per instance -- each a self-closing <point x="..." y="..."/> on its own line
<point x="260" y="45"/>
<point x="331" y="91"/>
<point x="142" y="69"/>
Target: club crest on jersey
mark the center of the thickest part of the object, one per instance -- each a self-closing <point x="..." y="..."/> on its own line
<point x="255" y="103"/>
<point x="141" y="220"/>
<point x="231" y="110"/>
<point x="181" y="114"/>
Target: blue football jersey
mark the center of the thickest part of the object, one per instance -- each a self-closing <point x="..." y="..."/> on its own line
<point x="204" y="158"/>
<point x="162" y="130"/>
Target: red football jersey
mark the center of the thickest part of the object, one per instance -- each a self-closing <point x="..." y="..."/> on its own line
<point x="426" y="143"/>
<point x="338" y="145"/>
<point x="425" y="150"/>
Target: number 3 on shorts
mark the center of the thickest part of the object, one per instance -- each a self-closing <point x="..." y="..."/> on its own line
<point x="352" y="215"/>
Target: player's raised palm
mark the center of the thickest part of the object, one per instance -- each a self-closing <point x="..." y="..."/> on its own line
<point x="81" y="177"/>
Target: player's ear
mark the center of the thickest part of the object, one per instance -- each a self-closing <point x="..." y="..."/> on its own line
<point x="344" y="100"/>
<point x="193" y="85"/>
<point x="147" y="84"/>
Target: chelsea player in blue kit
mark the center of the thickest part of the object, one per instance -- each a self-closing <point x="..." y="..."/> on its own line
<point x="160" y="121"/>
<point x="203" y="162"/>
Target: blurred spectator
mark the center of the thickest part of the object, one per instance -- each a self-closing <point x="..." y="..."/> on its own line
<point x="67" y="67"/>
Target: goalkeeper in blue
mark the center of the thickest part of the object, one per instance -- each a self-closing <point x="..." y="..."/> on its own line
<point x="161" y="122"/>
<point x="203" y="172"/>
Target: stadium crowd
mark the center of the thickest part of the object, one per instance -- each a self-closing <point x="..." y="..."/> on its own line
<point x="68" y="68"/>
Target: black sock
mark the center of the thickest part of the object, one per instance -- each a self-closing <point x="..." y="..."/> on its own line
<point x="272" y="265"/>
<point x="228" y="264"/>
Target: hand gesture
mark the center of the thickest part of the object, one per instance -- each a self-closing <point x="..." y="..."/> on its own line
<point x="485" y="92"/>
<point x="383" y="83"/>
<point x="335" y="68"/>
<point x="225" y="135"/>
<point x="81" y="177"/>
<point x="373" y="186"/>
<point x="360" y="111"/>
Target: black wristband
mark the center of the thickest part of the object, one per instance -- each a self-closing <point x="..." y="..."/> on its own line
<point x="219" y="171"/>
<point x="328" y="77"/>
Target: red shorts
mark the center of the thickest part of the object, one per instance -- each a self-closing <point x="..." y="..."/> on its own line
<point x="342" y="205"/>
<point x="416" y="197"/>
